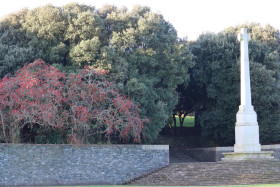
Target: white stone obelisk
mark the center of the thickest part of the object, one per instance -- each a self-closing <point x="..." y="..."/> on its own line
<point x="246" y="129"/>
<point x="247" y="145"/>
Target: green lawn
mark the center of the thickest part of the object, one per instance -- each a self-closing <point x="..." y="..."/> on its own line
<point x="188" y="122"/>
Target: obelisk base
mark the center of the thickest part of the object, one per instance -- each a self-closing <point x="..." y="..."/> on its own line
<point x="247" y="146"/>
<point x="248" y="156"/>
<point x="247" y="138"/>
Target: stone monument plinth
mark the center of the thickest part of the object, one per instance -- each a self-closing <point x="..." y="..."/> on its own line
<point x="247" y="145"/>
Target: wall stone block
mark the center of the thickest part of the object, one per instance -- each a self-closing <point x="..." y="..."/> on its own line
<point x="29" y="164"/>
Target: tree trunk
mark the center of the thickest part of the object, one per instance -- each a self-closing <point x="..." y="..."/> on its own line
<point x="174" y="120"/>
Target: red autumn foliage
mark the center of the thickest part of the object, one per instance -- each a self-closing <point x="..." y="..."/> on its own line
<point x="83" y="104"/>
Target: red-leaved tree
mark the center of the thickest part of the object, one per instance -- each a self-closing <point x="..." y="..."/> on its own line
<point x="82" y="105"/>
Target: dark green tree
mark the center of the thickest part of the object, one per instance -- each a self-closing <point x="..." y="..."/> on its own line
<point x="149" y="63"/>
<point x="139" y="49"/>
<point x="216" y="76"/>
<point x="13" y="49"/>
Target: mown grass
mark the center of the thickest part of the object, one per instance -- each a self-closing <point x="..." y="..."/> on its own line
<point x="188" y="122"/>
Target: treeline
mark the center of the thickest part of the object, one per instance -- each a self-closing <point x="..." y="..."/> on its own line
<point x="151" y="65"/>
<point x="215" y="82"/>
<point x="138" y="48"/>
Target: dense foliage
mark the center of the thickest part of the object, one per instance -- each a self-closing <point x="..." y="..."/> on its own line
<point x="142" y="54"/>
<point x="215" y="79"/>
<point x="83" y="106"/>
<point x="138" y="48"/>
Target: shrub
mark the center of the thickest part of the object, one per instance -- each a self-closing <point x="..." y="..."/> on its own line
<point x="81" y="105"/>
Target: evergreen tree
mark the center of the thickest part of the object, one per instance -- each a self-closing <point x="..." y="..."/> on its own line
<point x="216" y="76"/>
<point x="139" y="49"/>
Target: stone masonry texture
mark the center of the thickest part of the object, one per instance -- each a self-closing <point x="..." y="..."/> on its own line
<point x="213" y="174"/>
<point x="26" y="164"/>
<point x="215" y="154"/>
<point x="186" y="171"/>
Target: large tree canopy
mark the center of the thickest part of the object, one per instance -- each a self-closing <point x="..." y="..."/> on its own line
<point x="138" y="48"/>
<point x="216" y="79"/>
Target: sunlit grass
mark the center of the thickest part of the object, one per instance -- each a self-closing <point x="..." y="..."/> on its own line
<point x="188" y="122"/>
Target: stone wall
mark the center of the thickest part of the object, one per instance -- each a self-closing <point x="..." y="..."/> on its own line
<point x="214" y="154"/>
<point x="25" y="164"/>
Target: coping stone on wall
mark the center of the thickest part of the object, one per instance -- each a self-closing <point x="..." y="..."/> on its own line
<point x="155" y="147"/>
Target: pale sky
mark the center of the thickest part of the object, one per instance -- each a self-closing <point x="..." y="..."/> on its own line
<point x="190" y="17"/>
